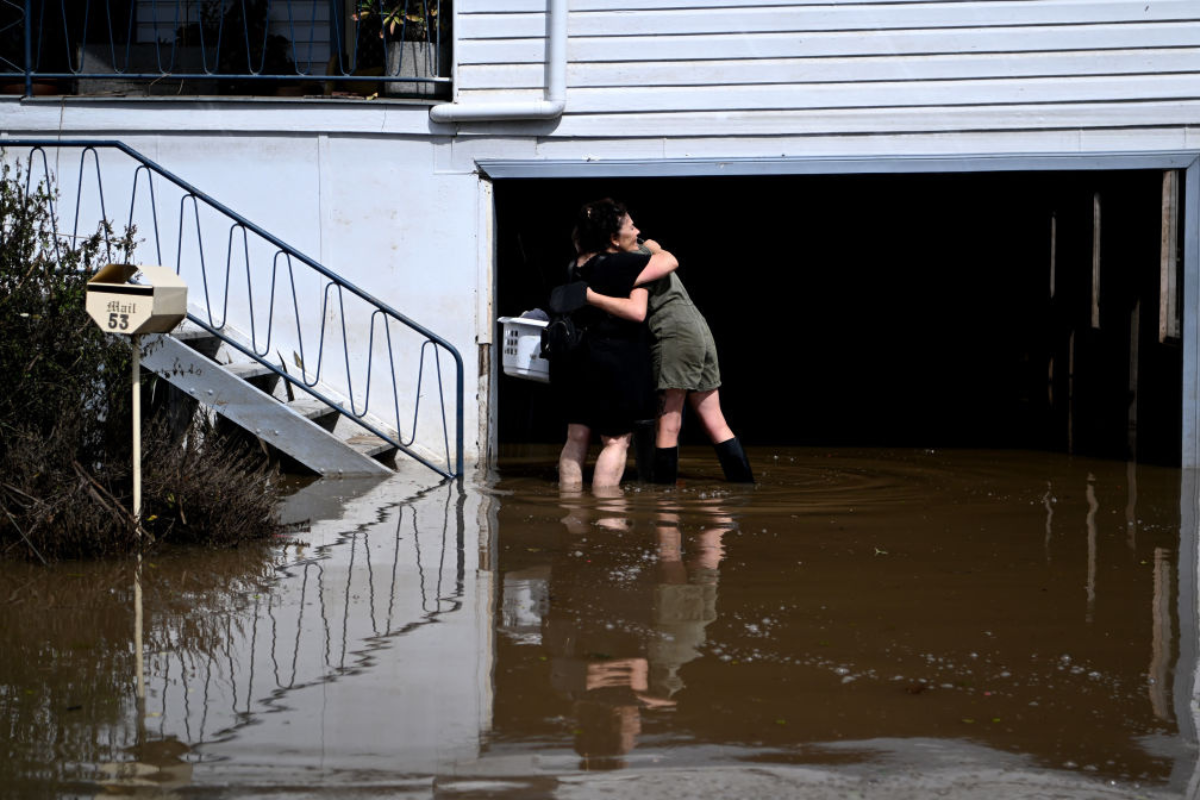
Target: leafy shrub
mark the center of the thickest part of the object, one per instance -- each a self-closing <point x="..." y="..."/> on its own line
<point x="65" y="405"/>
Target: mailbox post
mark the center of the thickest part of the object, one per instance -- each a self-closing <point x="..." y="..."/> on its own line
<point x="132" y="300"/>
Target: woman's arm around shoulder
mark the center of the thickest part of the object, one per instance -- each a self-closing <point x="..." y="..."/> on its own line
<point x="662" y="263"/>
<point x="632" y="308"/>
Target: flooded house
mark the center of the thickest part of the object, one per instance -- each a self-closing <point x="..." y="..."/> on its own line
<point x="919" y="225"/>
<point x="990" y="205"/>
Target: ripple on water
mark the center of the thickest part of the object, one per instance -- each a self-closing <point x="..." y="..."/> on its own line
<point x="862" y="595"/>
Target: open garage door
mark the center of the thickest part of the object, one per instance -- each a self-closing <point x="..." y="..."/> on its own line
<point x="1010" y="309"/>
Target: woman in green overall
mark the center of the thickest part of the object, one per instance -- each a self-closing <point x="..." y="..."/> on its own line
<point x="685" y="369"/>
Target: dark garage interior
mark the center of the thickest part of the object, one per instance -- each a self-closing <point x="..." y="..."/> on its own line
<point x="914" y="310"/>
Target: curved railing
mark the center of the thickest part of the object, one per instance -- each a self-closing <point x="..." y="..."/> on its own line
<point x="310" y="324"/>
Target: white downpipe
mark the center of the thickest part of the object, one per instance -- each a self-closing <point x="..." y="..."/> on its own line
<point x="556" y="82"/>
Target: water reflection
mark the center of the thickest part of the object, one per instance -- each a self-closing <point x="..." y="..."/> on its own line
<point x="1024" y="613"/>
<point x="1024" y="603"/>
<point x="236" y="645"/>
<point x="619" y="629"/>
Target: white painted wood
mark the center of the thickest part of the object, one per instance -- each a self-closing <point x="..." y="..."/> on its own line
<point x="732" y="46"/>
<point x="843" y="122"/>
<point x="533" y="6"/>
<point x="130" y="118"/>
<point x="688" y="68"/>
<point x="748" y="20"/>
<point x="645" y="75"/>
<point x="1190" y="459"/>
<point x="871" y="95"/>
<point x="1110" y="126"/>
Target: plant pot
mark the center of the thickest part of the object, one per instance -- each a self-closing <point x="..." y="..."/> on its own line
<point x="416" y="60"/>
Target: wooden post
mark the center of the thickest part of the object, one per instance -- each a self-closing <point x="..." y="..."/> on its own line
<point x="1053" y="252"/>
<point x="137" y="431"/>
<point x="138" y="645"/>
<point x="1071" y="393"/>
<point x="1096" y="260"/>
<point x="1168" y="277"/>
<point x="1135" y="318"/>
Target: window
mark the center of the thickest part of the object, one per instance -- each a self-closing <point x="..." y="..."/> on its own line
<point x="321" y="48"/>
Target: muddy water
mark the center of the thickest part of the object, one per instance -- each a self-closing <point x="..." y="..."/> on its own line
<point x="1023" y="603"/>
<point x="907" y="609"/>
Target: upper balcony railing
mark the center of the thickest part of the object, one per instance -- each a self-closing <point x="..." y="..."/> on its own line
<point x="300" y="48"/>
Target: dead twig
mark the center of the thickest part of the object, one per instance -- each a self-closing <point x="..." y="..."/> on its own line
<point x="113" y="505"/>
<point x="15" y="490"/>
<point x="13" y="522"/>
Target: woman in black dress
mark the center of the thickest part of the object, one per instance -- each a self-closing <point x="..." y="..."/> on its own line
<point x="608" y="384"/>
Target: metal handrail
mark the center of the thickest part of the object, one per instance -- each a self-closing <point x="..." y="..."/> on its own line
<point x="61" y="41"/>
<point x="334" y="288"/>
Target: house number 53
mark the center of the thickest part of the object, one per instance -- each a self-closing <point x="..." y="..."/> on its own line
<point x="118" y="321"/>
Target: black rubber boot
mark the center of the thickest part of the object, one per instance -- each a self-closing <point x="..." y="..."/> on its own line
<point x="666" y="465"/>
<point x="643" y="449"/>
<point x="733" y="461"/>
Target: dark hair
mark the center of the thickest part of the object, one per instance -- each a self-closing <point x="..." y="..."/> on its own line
<point x="597" y="223"/>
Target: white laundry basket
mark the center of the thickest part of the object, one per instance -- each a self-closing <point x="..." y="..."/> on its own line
<point x="523" y="349"/>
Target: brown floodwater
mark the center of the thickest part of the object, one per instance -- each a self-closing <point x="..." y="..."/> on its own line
<point x="864" y="607"/>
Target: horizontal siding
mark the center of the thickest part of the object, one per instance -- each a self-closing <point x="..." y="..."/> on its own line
<point x="798" y="71"/>
<point x="538" y="6"/>
<point x="877" y="95"/>
<point x="748" y="21"/>
<point x="679" y="68"/>
<point x="1007" y="40"/>
<point x="1076" y="118"/>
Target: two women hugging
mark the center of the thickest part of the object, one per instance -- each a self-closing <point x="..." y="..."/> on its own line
<point x="644" y="335"/>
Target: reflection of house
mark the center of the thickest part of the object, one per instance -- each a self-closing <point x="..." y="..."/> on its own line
<point x="401" y="200"/>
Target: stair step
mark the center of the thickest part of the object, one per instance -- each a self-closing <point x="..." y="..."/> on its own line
<point x="369" y="445"/>
<point x="197" y="338"/>
<point x="250" y="369"/>
<point x="188" y="331"/>
<point x="316" y="410"/>
<point x="258" y="412"/>
<point x="310" y="409"/>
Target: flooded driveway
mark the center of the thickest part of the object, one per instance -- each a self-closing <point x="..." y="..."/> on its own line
<point x="990" y="624"/>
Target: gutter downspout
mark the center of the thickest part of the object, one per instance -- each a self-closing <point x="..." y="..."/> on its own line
<point x="556" y="83"/>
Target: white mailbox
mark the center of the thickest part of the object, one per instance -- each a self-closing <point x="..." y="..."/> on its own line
<point x="134" y="299"/>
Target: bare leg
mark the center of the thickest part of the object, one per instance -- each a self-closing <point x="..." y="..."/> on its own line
<point x="707" y="406"/>
<point x="573" y="456"/>
<point x="670" y="417"/>
<point x="610" y="464"/>
<point x="670" y="556"/>
<point x="709" y="550"/>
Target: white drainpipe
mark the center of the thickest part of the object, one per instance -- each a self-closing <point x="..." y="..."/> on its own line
<point x="556" y="83"/>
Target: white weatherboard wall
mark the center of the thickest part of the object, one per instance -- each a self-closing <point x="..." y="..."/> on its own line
<point x="699" y="75"/>
<point x="396" y="203"/>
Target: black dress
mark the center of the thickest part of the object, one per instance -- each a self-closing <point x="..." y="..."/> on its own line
<point x="609" y="383"/>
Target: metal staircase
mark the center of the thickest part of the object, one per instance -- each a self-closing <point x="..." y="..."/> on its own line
<point x="245" y="393"/>
<point x="322" y="417"/>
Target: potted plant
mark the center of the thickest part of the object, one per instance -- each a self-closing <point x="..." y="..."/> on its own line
<point x="412" y="41"/>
